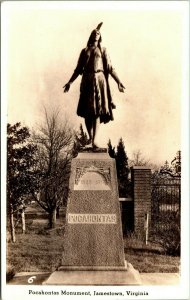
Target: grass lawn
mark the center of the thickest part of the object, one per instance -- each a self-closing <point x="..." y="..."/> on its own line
<point x="37" y="252"/>
<point x="149" y="262"/>
<point x="149" y="258"/>
<point x="40" y="249"/>
<point x="34" y="252"/>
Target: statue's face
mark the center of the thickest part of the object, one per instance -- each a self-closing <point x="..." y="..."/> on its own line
<point x="95" y="35"/>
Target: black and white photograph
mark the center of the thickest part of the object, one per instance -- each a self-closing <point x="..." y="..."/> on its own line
<point x="95" y="161"/>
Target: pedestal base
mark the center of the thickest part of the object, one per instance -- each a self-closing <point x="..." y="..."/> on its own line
<point x="128" y="276"/>
<point x="93" y="230"/>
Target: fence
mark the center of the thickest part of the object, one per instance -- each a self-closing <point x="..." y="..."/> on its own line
<point x="159" y="199"/>
<point x="165" y="203"/>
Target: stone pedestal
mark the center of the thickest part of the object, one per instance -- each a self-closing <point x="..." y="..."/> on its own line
<point x="93" y="235"/>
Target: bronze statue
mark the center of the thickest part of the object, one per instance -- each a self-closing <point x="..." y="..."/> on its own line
<point x="95" y="102"/>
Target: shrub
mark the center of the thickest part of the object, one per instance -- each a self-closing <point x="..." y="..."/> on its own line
<point x="10" y="273"/>
<point x="168" y="235"/>
<point x="134" y="241"/>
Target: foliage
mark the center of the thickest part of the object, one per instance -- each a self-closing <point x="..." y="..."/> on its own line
<point x="121" y="159"/>
<point x="111" y="150"/>
<point x="168" y="234"/>
<point x="10" y="273"/>
<point x="174" y="168"/>
<point x="138" y="159"/>
<point x="21" y="178"/>
<point x="122" y="169"/>
<point x="80" y="140"/>
<point x="54" y="153"/>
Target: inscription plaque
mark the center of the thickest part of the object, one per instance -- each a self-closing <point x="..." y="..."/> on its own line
<point x="92" y="178"/>
<point x="92" y="219"/>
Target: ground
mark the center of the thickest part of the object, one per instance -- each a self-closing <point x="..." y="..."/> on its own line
<point x="39" y="250"/>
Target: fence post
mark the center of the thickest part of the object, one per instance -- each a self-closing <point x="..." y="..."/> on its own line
<point x="141" y="181"/>
<point x="146" y="227"/>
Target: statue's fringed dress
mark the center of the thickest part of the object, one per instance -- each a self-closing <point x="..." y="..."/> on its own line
<point x="95" y="98"/>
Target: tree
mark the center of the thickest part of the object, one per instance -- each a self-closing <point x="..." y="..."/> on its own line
<point x="21" y="178"/>
<point x="111" y="150"/>
<point x="54" y="141"/>
<point x="80" y="141"/>
<point x="138" y="159"/>
<point x="176" y="164"/>
<point x="173" y="169"/>
<point x="122" y="169"/>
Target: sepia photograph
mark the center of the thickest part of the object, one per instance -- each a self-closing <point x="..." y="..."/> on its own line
<point x="95" y="162"/>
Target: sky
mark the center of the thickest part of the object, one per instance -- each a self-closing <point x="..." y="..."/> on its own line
<point x="145" y="42"/>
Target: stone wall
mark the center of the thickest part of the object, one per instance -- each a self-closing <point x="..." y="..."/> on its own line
<point x="141" y="179"/>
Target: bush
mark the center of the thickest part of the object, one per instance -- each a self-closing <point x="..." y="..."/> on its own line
<point x="10" y="273"/>
<point x="168" y="235"/>
<point x="134" y="241"/>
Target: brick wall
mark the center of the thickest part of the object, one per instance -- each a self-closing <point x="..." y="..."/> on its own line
<point x="141" y="179"/>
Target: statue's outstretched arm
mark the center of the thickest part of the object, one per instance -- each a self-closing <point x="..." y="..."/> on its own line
<point x="68" y="84"/>
<point x="116" y="78"/>
<point x="111" y="70"/>
<point x="76" y="72"/>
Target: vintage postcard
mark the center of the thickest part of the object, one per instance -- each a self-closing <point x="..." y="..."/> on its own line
<point x="95" y="162"/>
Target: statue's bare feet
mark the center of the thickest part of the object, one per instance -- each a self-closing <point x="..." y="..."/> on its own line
<point x="89" y="142"/>
<point x="90" y="145"/>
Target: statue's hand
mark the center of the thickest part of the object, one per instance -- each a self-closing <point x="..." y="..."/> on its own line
<point x="66" y="87"/>
<point x="121" y="87"/>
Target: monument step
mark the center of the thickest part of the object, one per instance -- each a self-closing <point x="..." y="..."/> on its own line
<point x="128" y="277"/>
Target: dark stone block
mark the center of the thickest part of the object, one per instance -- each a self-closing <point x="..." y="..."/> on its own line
<point x="92" y="149"/>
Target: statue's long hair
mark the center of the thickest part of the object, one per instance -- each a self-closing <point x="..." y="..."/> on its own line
<point x="90" y="40"/>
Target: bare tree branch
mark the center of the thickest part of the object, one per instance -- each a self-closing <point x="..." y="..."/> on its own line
<point x="54" y="140"/>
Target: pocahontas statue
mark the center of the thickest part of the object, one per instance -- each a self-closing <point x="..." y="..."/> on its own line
<point x="95" y="102"/>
